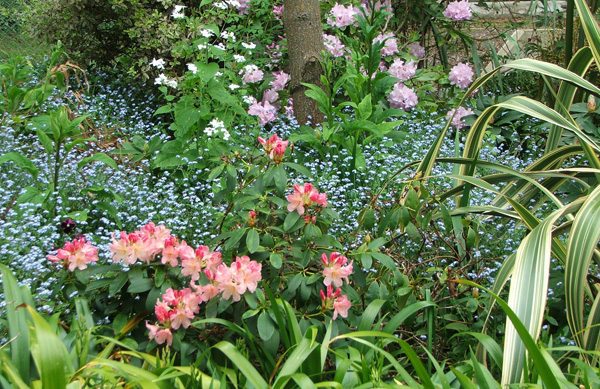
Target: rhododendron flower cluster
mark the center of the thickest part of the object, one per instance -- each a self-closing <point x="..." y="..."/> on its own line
<point x="177" y="308"/>
<point x="334" y="45"/>
<point x="265" y="111"/>
<point x="144" y="244"/>
<point x="280" y="81"/>
<point x="304" y="196"/>
<point x="461" y="112"/>
<point x="76" y="254"/>
<point x="416" y="50"/>
<point x="274" y="147"/>
<point x="402" y="97"/>
<point x="403" y="71"/>
<point x="390" y="46"/>
<point x="461" y="75"/>
<point x="458" y="10"/>
<point x="252" y="74"/>
<point x="336" y="301"/>
<point x="336" y="269"/>
<point x="341" y="16"/>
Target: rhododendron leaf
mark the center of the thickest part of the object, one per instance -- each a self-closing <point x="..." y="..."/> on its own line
<point x="265" y="326"/>
<point x="276" y="260"/>
<point x="299" y="168"/>
<point x="366" y="260"/>
<point x="290" y="220"/>
<point x="280" y="178"/>
<point x="250" y="313"/>
<point x="214" y="173"/>
<point x="117" y="284"/>
<point x="252" y="240"/>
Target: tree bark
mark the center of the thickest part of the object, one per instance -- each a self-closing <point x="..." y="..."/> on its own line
<point x="304" y="33"/>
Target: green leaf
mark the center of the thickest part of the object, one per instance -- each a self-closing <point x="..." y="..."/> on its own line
<point x="276" y="260"/>
<point x="241" y="364"/>
<point x="252" y="241"/>
<point x="100" y="157"/>
<point x="18" y="329"/>
<point x="22" y="161"/>
<point x="265" y="326"/>
<point x="290" y="220"/>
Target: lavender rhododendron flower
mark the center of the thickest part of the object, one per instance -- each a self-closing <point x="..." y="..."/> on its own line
<point x="461" y="75"/>
<point x="341" y="16"/>
<point x="403" y="71"/>
<point x="390" y="46"/>
<point x="461" y="112"/>
<point x="252" y="74"/>
<point x="333" y="45"/>
<point x="458" y="10"/>
<point x="264" y="110"/>
<point x="280" y="81"/>
<point x="402" y="97"/>
<point x="416" y="50"/>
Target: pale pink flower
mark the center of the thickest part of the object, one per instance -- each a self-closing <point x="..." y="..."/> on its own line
<point x="341" y="305"/>
<point x="246" y="273"/>
<point x="458" y="10"/>
<point x="334" y="45"/>
<point x="461" y="112"/>
<point x="159" y="335"/>
<point x="252" y="74"/>
<point x="170" y="254"/>
<point x="461" y="75"/>
<point x="281" y="79"/>
<point x="403" y="71"/>
<point x="270" y="95"/>
<point x="203" y="259"/>
<point x="305" y="196"/>
<point x="336" y="301"/>
<point x="277" y="11"/>
<point x="336" y="269"/>
<point x="402" y="97"/>
<point x="206" y="292"/>
<point x="341" y="16"/>
<point x="416" y="50"/>
<point x="224" y="279"/>
<point x="264" y="110"/>
<point x="390" y="46"/>
<point x="77" y="254"/>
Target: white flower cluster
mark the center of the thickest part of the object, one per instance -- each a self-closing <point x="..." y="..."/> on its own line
<point x="215" y="127"/>
<point x="164" y="80"/>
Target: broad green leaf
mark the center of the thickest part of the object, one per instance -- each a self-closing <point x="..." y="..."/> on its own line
<point x="100" y="157"/>
<point x="252" y="240"/>
<point x="242" y="364"/>
<point x="21" y="161"/>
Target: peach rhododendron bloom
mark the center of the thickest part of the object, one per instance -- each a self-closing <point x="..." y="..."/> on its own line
<point x="77" y="254"/>
<point x="242" y="276"/>
<point x="335" y="270"/>
<point x="160" y="335"/>
<point x="274" y="146"/>
<point x="203" y="259"/>
<point x="336" y="301"/>
<point x="305" y="196"/>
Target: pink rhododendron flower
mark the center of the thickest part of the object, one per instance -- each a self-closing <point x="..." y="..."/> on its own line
<point x="416" y="50"/>
<point x="336" y="301"/>
<point x="252" y="74"/>
<point x="402" y="97"/>
<point x="341" y="305"/>
<point x="403" y="71"/>
<point x="305" y="196"/>
<point x="281" y="79"/>
<point x="336" y="269"/>
<point x="77" y="254"/>
<point x="274" y="146"/>
<point x="457" y="119"/>
<point x="203" y="259"/>
<point x="177" y="308"/>
<point x="391" y="44"/>
<point x="458" y="10"/>
<point x="270" y="96"/>
<point x="159" y="335"/>
<point x="334" y="45"/>
<point x="170" y="252"/>
<point x="264" y="110"/>
<point x="289" y="109"/>
<point x="242" y="276"/>
<point x="341" y="16"/>
<point x="461" y="75"/>
<point x="277" y="11"/>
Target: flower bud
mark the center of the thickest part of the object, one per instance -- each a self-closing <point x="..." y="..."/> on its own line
<point x="591" y="103"/>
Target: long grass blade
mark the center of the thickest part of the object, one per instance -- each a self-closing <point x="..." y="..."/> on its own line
<point x="18" y="329"/>
<point x="583" y="240"/>
<point x="590" y="28"/>
<point x="242" y="364"/>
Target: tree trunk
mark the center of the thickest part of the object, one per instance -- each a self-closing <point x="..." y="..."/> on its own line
<point x="302" y="25"/>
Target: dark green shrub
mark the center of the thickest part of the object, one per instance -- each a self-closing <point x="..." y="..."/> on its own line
<point x="103" y="32"/>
